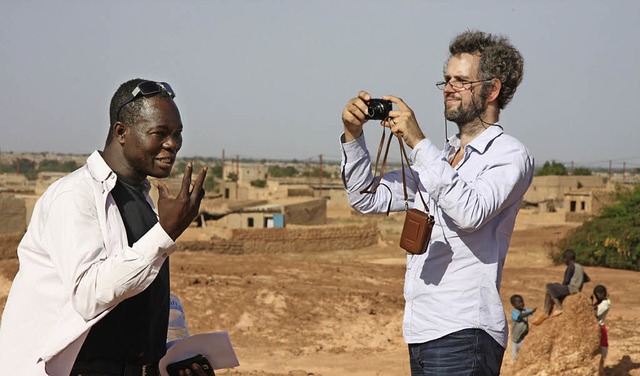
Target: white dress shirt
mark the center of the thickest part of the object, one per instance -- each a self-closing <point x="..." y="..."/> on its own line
<point x="455" y="284"/>
<point x="75" y="266"/>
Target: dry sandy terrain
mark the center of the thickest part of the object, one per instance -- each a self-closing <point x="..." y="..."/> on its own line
<point x="340" y="312"/>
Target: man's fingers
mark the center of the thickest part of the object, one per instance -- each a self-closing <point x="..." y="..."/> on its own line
<point x="163" y="190"/>
<point x="201" y="176"/>
<point x="364" y="95"/>
<point x="398" y="102"/>
<point x="354" y="115"/>
<point x="186" y="179"/>
<point x="198" y="188"/>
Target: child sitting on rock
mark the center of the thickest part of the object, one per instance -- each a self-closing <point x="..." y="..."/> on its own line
<point x="574" y="278"/>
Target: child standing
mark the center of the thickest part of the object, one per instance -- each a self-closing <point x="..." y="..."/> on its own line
<point x="520" y="326"/>
<point x="601" y="305"/>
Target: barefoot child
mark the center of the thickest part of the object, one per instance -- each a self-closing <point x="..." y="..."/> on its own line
<point x="574" y="278"/>
<point x="520" y="327"/>
<point x="601" y="305"/>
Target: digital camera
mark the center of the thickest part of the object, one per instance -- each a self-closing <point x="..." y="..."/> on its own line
<point x="378" y="109"/>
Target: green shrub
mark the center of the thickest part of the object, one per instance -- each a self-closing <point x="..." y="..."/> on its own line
<point x="611" y="239"/>
<point x="258" y="183"/>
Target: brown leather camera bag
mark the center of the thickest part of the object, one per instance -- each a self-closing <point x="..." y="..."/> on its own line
<point x="416" y="231"/>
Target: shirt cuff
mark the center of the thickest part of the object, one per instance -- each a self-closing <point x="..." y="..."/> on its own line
<point x="356" y="146"/>
<point x="156" y="244"/>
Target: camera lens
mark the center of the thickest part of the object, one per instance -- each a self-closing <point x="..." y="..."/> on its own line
<point x="378" y="109"/>
<point x="375" y="110"/>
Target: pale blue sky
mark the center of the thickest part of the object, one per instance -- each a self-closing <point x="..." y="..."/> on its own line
<point x="269" y="79"/>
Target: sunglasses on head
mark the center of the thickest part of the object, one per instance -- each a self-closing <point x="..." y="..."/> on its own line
<point x="145" y="88"/>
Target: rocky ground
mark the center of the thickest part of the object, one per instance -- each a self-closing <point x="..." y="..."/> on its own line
<point x="340" y="312"/>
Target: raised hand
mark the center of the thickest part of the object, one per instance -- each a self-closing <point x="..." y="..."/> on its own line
<point x="403" y="122"/>
<point x="353" y="116"/>
<point x="177" y="213"/>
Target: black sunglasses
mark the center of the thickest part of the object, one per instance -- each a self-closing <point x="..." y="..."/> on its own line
<point x="146" y="88"/>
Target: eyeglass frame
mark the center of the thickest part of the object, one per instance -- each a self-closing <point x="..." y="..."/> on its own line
<point x="158" y="87"/>
<point x="462" y="83"/>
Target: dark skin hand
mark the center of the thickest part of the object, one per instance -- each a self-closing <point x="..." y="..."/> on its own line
<point x="177" y="213"/>
<point x="195" y="370"/>
<point x="525" y="314"/>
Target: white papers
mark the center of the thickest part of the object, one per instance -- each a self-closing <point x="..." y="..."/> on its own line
<point x="216" y="347"/>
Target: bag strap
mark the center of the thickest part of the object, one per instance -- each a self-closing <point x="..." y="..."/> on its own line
<point x="404" y="157"/>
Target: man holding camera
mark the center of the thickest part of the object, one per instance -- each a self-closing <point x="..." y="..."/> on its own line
<point x="92" y="293"/>
<point x="454" y="321"/>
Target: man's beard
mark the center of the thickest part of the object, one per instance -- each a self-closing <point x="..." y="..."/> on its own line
<point x="466" y="113"/>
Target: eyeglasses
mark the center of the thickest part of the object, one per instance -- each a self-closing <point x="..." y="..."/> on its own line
<point x="146" y="88"/>
<point x="459" y="85"/>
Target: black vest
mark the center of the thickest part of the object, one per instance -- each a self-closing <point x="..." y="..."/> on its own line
<point x="135" y="331"/>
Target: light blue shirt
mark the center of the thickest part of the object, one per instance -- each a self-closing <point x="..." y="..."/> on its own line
<point x="515" y="314"/>
<point x="455" y="284"/>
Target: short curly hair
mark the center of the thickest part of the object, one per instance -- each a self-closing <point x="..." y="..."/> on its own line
<point x="130" y="113"/>
<point x="498" y="59"/>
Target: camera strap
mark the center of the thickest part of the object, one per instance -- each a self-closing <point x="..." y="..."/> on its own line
<point x="368" y="188"/>
<point x="403" y="157"/>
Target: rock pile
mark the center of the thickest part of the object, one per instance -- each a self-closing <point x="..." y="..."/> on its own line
<point x="568" y="344"/>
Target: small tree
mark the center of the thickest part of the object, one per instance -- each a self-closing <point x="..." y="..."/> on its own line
<point x="258" y="183"/>
<point x="232" y="176"/>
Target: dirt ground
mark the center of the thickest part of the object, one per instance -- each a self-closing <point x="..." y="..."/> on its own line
<point x="340" y="313"/>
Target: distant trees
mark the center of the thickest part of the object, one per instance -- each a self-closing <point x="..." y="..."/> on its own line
<point x="315" y="172"/>
<point x="23" y="166"/>
<point x="557" y="168"/>
<point x="216" y="171"/>
<point x="53" y="165"/>
<point x="210" y="183"/>
<point x="552" y="168"/>
<point x="287" y="169"/>
<point x="581" y="171"/>
<point x="7" y="167"/>
<point x="277" y="171"/>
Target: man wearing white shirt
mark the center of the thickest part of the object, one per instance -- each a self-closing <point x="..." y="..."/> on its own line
<point x="91" y="296"/>
<point x="454" y="321"/>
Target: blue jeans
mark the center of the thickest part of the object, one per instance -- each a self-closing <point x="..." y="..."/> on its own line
<point x="468" y="352"/>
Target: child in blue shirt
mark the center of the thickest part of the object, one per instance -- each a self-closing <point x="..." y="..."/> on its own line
<point x="520" y="326"/>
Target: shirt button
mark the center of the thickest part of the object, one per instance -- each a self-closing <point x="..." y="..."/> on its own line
<point x="164" y="255"/>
